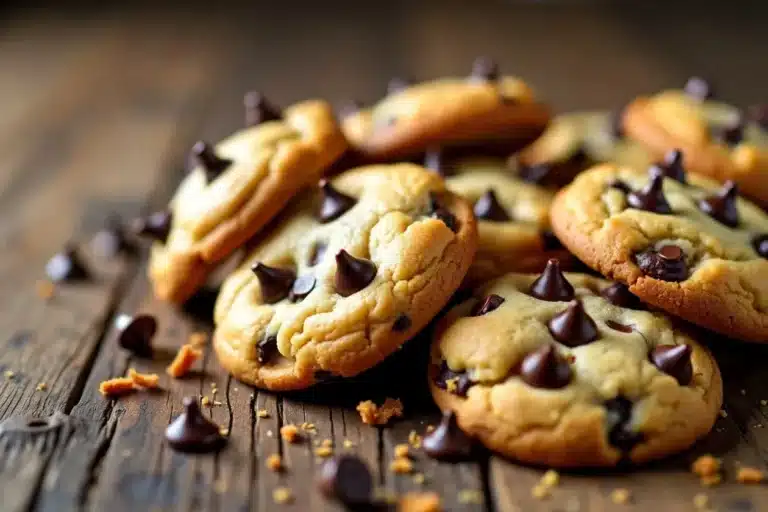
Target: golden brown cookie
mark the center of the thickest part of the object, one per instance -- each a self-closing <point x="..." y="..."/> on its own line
<point x="690" y="248"/>
<point x="570" y="370"/>
<point x="351" y="271"/>
<point x="237" y="187"/>
<point x="484" y="108"/>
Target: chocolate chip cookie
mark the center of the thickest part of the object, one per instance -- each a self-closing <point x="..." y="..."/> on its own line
<point x="717" y="139"/>
<point x="236" y="188"/>
<point x="571" y="370"/>
<point x="350" y="272"/>
<point x="484" y="108"/>
<point x="680" y="242"/>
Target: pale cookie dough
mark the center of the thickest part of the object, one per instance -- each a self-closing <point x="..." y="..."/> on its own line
<point x="621" y="385"/>
<point x="353" y="270"/>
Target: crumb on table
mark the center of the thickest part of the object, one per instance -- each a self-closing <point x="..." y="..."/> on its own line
<point x="419" y="502"/>
<point x="145" y="380"/>
<point x="324" y="451"/>
<point x="41" y="387"/>
<point x="414" y="439"/>
<point x="372" y="414"/>
<point x="45" y="289"/>
<point x="282" y="495"/>
<point x="290" y="433"/>
<point x="116" y="386"/>
<point x="9" y="374"/>
<point x="182" y="363"/>
<point x="402" y="450"/>
<point x="550" y="478"/>
<point x="275" y="462"/>
<point x="701" y="501"/>
<point x="401" y="466"/>
<point x="470" y="496"/>
<point x="262" y="413"/>
<point x="621" y="496"/>
<point x="706" y="466"/>
<point x="749" y="475"/>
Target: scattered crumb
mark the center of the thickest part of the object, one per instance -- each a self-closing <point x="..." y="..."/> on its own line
<point x="430" y="428"/>
<point x="401" y="466"/>
<point x="117" y="386"/>
<point x="621" y="496"/>
<point x="451" y="385"/>
<point x="540" y="491"/>
<point x="275" y="462"/>
<point x="182" y="363"/>
<point x="723" y="413"/>
<point x="371" y="414"/>
<point x="290" y="433"/>
<point x="551" y="478"/>
<point x="701" y="501"/>
<point x="348" y="444"/>
<point x="309" y="427"/>
<point x="324" y="451"/>
<point x="706" y="465"/>
<point x="145" y="380"/>
<point x="45" y="289"/>
<point x="224" y="431"/>
<point x="205" y="402"/>
<point x="262" y="413"/>
<point x="220" y="486"/>
<point x="218" y="403"/>
<point x="748" y="475"/>
<point x="41" y="387"/>
<point x="282" y="495"/>
<point x="269" y="433"/>
<point x="198" y="339"/>
<point x="420" y="502"/>
<point x="9" y="374"/>
<point x="401" y="450"/>
<point x="414" y="439"/>
<point x="419" y="479"/>
<point x="327" y="443"/>
<point x="473" y="496"/>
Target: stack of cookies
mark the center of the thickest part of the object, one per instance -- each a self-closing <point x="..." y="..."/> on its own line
<point x="468" y="184"/>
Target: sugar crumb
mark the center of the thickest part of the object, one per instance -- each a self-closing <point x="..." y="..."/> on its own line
<point x="262" y="413"/>
<point x="372" y="414"/>
<point x="282" y="495"/>
<point x="401" y="466"/>
<point x="749" y="475"/>
<point x="621" y="496"/>
<point x="290" y="433"/>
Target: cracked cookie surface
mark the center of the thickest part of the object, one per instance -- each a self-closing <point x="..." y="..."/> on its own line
<point x="692" y="249"/>
<point x="610" y="384"/>
<point x="349" y="273"/>
<point x="238" y="186"/>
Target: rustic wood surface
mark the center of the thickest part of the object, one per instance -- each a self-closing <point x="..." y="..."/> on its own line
<point x="98" y="110"/>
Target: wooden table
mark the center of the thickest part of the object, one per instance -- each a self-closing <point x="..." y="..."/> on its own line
<point x="97" y="113"/>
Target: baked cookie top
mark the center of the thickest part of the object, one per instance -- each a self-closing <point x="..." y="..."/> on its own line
<point x="237" y="187"/>
<point x="349" y="273"/>
<point x="571" y="370"/>
<point x="690" y="248"/>
<point x="485" y="108"/>
<point x="718" y="140"/>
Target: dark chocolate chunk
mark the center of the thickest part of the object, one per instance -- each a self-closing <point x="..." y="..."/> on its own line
<point x="667" y="263"/>
<point x="487" y="207"/>
<point x="552" y="285"/>
<point x="136" y="333"/>
<point x="732" y="133"/>
<point x="317" y="253"/>
<point x="759" y="114"/>
<point x="672" y="166"/>
<point x="435" y="160"/>
<point x="397" y="84"/>
<point x="619" y="295"/>
<point x="536" y="173"/>
<point x="448" y="441"/>
<point x="651" y="197"/>
<point x="573" y="327"/>
<point x="346" y="479"/>
<point x="212" y="164"/>
<point x="348" y="108"/>
<point x="549" y="241"/>
<point x="545" y="368"/>
<point x="302" y="286"/>
<point x="155" y="226"/>
<point x="618" y="413"/>
<point x="401" y="323"/>
<point x="275" y="283"/>
<point x="352" y="274"/>
<point x="333" y="203"/>
<point x="266" y="350"/>
<point x="722" y="205"/>
<point x="258" y="110"/>
<point x="674" y="360"/>
<point x="488" y="304"/>
<point x="484" y="69"/>
<point x="460" y="379"/>
<point x="760" y="244"/>
<point x="67" y="266"/>
<point x="191" y="432"/>
<point x="437" y="211"/>
<point x="698" y="88"/>
<point x="616" y="326"/>
<point x="112" y="240"/>
<point x="620" y="185"/>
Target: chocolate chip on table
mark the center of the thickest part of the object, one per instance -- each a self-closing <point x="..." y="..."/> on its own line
<point x="667" y="263"/>
<point x="618" y="413"/>
<point x="460" y="379"/>
<point x="333" y="203"/>
<point x="155" y="226"/>
<point x="552" y="285"/>
<point x="651" y="197"/>
<point x="545" y="368"/>
<point x="549" y="241"/>
<point x="275" y="283"/>
<point x="672" y="166"/>
<point x="317" y="253"/>
<point x="346" y="479"/>
<point x="573" y="327"/>
<point x="213" y="165"/>
<point x="448" y="441"/>
<point x="484" y="69"/>
<point x="487" y="207"/>
<point x="439" y="212"/>
<point x="397" y="84"/>
<point x="111" y="240"/>
<point x="302" y="286"/>
<point x="136" y="333"/>
<point x="722" y="205"/>
<point x="698" y="88"/>
<point x="616" y="326"/>
<point x="536" y="173"/>
<point x="760" y="244"/>
<point x="67" y="266"/>
<point x="619" y="295"/>
<point x="759" y="114"/>
<point x="266" y="350"/>
<point x="191" y="432"/>
<point x="402" y="323"/>
<point x="488" y="304"/>
<point x="258" y="110"/>
<point x="674" y="360"/>
<point x="352" y="274"/>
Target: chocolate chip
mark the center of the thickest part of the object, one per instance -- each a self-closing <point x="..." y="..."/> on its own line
<point x="552" y="285"/>
<point x="191" y="432"/>
<point x="620" y="185"/>
<point x="760" y="244"/>
<point x="397" y="84"/>
<point x="348" y="108"/>
<point x="460" y="380"/>
<point x="698" y="88"/>
<point x="672" y="166"/>
<point x="437" y="211"/>
<point x="619" y="295"/>
<point x="136" y="333"/>
<point x="667" y="264"/>
<point x="112" y="240"/>
<point x="266" y="350"/>
<point x="484" y="69"/>
<point x="674" y="360"/>
<point x="352" y="274"/>
<point x="156" y="226"/>
<point x="401" y="323"/>
<point x="435" y="160"/>
<point x="618" y="413"/>
<point x="573" y="327"/>
<point x="616" y="326"/>
<point x="732" y="133"/>
<point x="212" y="164"/>
<point x="488" y="304"/>
<point x="487" y="207"/>
<point x="722" y="205"/>
<point x="258" y="110"/>
<point x="448" y="441"/>
<point x="545" y="368"/>
<point x="549" y="241"/>
<point x="651" y="197"/>
<point x="536" y="173"/>
<point x="275" y="282"/>
<point x="66" y="266"/>
<point x="317" y="253"/>
<point x="333" y="203"/>
<point x="346" y="479"/>
<point x="759" y="114"/>
<point x="302" y="286"/>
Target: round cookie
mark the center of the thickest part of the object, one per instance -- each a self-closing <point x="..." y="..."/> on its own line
<point x="717" y="139"/>
<point x="691" y="249"/>
<point x="235" y="189"/>
<point x="349" y="273"/>
<point x="484" y="108"/>
<point x="568" y="370"/>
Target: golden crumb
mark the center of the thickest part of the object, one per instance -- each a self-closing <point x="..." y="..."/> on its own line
<point x="419" y="478"/>
<point x="621" y="496"/>
<point x="711" y="480"/>
<point x="220" y="486"/>
<point x="9" y="374"/>
<point x="290" y="433"/>
<point x="262" y="413"/>
<point x="45" y="289"/>
<point x="224" y="431"/>
<point x="117" y="386"/>
<point x="706" y="465"/>
<point x="371" y="414"/>
<point x="470" y="496"/>
<point x="401" y="450"/>
<point x="218" y="403"/>
<point x="327" y="443"/>
<point x="701" y="501"/>
<point x="42" y="386"/>
<point x="723" y="413"/>
<point x="748" y="475"/>
<point x="401" y="466"/>
<point x="145" y="380"/>
<point x="414" y="439"/>
<point x="540" y="491"/>
<point x="309" y="427"/>
<point x="282" y="495"/>
<point x="198" y="339"/>
<point x="551" y="478"/>
<point x="451" y="385"/>
<point x="420" y="502"/>
<point x="348" y="444"/>
<point x="324" y="451"/>
<point x="430" y="429"/>
<point x="182" y="363"/>
<point x="205" y="402"/>
<point x="275" y="462"/>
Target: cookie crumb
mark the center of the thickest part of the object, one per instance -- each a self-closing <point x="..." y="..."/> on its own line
<point x="198" y="339"/>
<point x="282" y="495"/>
<point x="205" y="402"/>
<point x="117" y="386"/>
<point x="748" y="475"/>
<point x="224" y="431"/>
<point x="9" y="374"/>
<point x="220" y="486"/>
<point x="723" y="413"/>
<point x="324" y="451"/>
<point x="348" y="444"/>
<point x="711" y="481"/>
<point x="262" y="413"/>
<point x="371" y="414"/>
<point x="701" y="501"/>
<point x="290" y="433"/>
<point x="401" y="450"/>
<point x="419" y="478"/>
<point x="470" y="496"/>
<point x="621" y="496"/>
<point x="275" y="462"/>
<point x="401" y="466"/>
<point x="309" y="427"/>
<point x="45" y="289"/>
<point x="420" y="502"/>
<point x="42" y="387"/>
<point x="706" y="466"/>
<point x="182" y="363"/>
<point x="540" y="491"/>
<point x="414" y="439"/>
<point x="430" y="429"/>
<point x="269" y="433"/>
<point x="551" y="478"/>
<point x="145" y="380"/>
